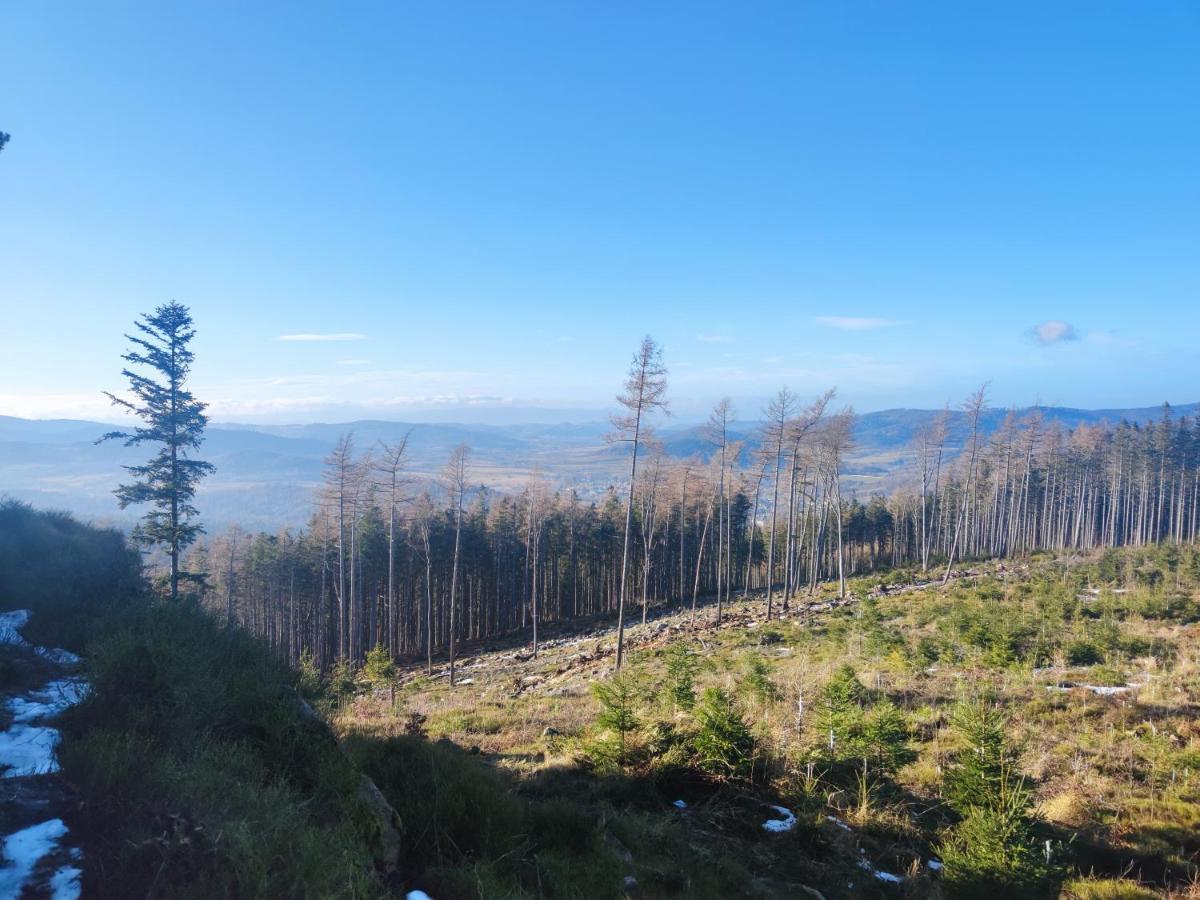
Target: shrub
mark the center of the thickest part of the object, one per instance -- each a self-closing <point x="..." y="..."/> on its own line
<point x="757" y="681"/>
<point x="992" y="848"/>
<point x="1082" y="652"/>
<point x="839" y="711"/>
<point x="976" y="774"/>
<point x="723" y="743"/>
<point x="341" y="679"/>
<point x="992" y="851"/>
<point x="885" y="738"/>
<point x="379" y="667"/>
<point x="681" y="676"/>
<point x="308" y="676"/>
<point x="69" y="574"/>
<point x="619" y="698"/>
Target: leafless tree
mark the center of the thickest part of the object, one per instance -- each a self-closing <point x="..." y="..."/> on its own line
<point x="931" y="445"/>
<point x="974" y="406"/>
<point x="837" y="439"/>
<point x="778" y="415"/>
<point x="423" y="514"/>
<point x="717" y="432"/>
<point x="649" y="521"/>
<point x="339" y="478"/>
<point x="389" y="467"/>
<point x="798" y="431"/>
<point x="645" y="393"/>
<point x="454" y="478"/>
<point x="539" y="503"/>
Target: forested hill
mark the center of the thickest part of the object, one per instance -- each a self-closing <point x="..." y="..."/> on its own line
<point x="266" y="473"/>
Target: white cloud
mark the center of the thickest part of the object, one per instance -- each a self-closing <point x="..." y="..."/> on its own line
<point x="714" y="338"/>
<point x="337" y="336"/>
<point x="1054" y="331"/>
<point x="853" y="323"/>
<point x="91" y="405"/>
<point x="326" y="404"/>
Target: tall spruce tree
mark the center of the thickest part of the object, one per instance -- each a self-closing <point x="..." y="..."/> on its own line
<point x="173" y="420"/>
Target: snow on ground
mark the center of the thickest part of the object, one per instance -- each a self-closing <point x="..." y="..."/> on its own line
<point x="786" y="823"/>
<point x="880" y="874"/>
<point x="65" y="883"/>
<point x="22" y="852"/>
<point x="58" y="656"/>
<point x="10" y="623"/>
<point x="1103" y="690"/>
<point x="28" y="750"/>
<point x="49" y="701"/>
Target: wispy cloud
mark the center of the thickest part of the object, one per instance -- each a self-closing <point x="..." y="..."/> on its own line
<point x="336" y="336"/>
<point x="328" y="404"/>
<point x="714" y="338"/>
<point x="1054" y="331"/>
<point x="853" y="323"/>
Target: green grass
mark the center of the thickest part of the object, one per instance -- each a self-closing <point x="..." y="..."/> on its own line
<point x="199" y="778"/>
<point x="470" y="833"/>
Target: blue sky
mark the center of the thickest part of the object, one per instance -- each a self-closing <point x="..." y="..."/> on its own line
<point x="492" y="202"/>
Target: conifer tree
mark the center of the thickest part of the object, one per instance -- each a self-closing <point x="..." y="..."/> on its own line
<point x="173" y="420"/>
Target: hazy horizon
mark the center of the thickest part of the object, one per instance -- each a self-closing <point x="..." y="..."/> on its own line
<point x="516" y="416"/>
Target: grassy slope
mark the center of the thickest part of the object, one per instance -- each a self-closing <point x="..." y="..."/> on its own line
<point x="1116" y="779"/>
<point x="198" y="776"/>
<point x="195" y="774"/>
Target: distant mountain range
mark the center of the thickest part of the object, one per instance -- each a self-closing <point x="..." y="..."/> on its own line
<point x="267" y="475"/>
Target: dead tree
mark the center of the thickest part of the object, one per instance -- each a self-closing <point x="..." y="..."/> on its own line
<point x="454" y="478"/>
<point x="645" y="392"/>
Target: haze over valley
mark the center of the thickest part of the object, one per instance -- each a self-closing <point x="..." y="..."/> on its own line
<point x="268" y="475"/>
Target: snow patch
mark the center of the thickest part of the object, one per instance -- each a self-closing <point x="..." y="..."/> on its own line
<point x="49" y="701"/>
<point x="58" y="656"/>
<point x="879" y="874"/>
<point x="1101" y="690"/>
<point x="935" y="865"/>
<point x="786" y="823"/>
<point x="679" y="804"/>
<point x="28" y="750"/>
<point x="65" y="884"/>
<point x="22" y="851"/>
<point x="838" y="822"/>
<point x="10" y="625"/>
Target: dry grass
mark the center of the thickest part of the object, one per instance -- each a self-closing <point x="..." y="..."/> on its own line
<point x="1116" y="778"/>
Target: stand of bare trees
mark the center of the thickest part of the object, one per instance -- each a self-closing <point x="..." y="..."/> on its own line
<point x="420" y="572"/>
